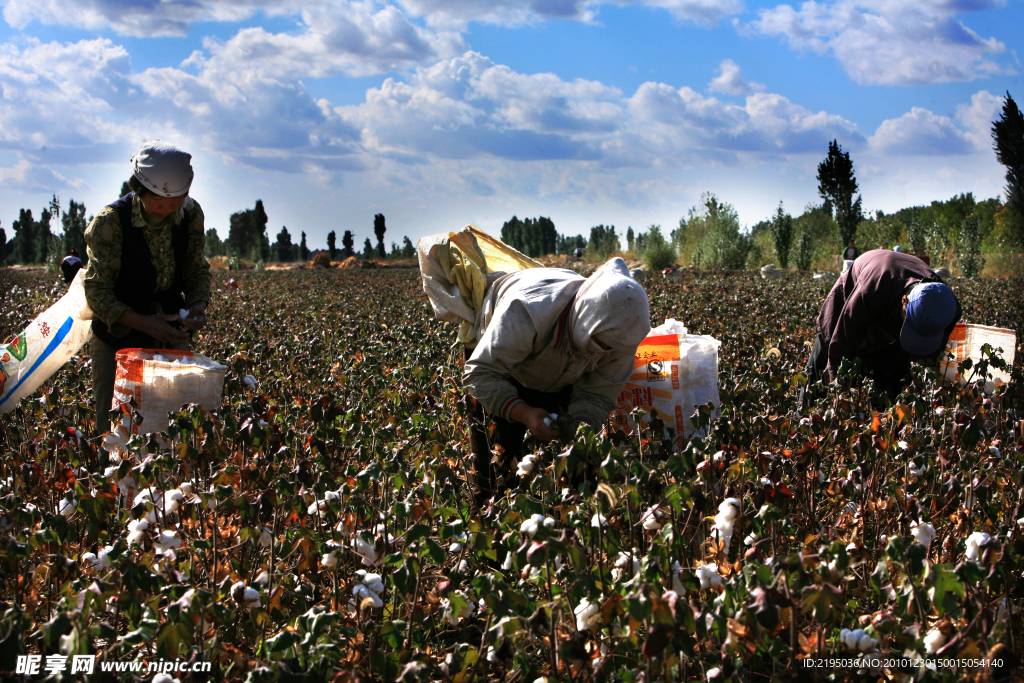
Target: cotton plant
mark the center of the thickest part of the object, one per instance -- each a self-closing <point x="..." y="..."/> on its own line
<point x="67" y="506"/>
<point x="652" y="518"/>
<point x="453" y="616"/>
<point x="370" y="586"/>
<point x="923" y="533"/>
<point x="857" y="640"/>
<point x="330" y="559"/>
<point x="166" y="540"/>
<point x="526" y="465"/>
<point x="626" y="564"/>
<point x="934" y="641"/>
<point x="364" y="550"/>
<point x="725" y="521"/>
<point x="137" y="531"/>
<point x="708" y="576"/>
<point x="975" y="543"/>
<point x="588" y="615"/>
<point x="244" y="596"/>
<point x="532" y="525"/>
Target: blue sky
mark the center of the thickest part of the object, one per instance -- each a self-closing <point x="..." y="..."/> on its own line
<point x="439" y="113"/>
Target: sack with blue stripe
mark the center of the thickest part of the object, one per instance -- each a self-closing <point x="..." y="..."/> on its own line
<point x="47" y="343"/>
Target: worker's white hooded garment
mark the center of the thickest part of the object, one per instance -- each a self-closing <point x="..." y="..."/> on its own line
<point x="539" y="325"/>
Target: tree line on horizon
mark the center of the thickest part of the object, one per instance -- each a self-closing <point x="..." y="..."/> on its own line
<point x="709" y="236"/>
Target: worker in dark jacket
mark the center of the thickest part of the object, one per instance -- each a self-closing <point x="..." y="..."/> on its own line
<point x="887" y="309"/>
<point x="70" y="266"/>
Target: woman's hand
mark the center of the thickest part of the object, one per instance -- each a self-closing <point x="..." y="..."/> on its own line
<point x="196" y="317"/>
<point x="156" y="326"/>
<point x="533" y="418"/>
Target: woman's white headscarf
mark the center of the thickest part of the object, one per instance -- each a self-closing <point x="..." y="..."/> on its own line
<point x="612" y="307"/>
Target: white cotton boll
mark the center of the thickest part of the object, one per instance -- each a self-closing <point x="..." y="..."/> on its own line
<point x="172" y="501"/>
<point x="103" y="559"/>
<point x="532" y="525"/>
<point x="651" y="522"/>
<point x="866" y="643"/>
<point x="526" y="465"/>
<point x="68" y="507"/>
<point x="365" y="550"/>
<point x="90" y="560"/>
<point x="362" y="592"/>
<point x="923" y="533"/>
<point x="330" y="560"/>
<point x="263" y="579"/>
<point x="164" y="678"/>
<point x="187" y="487"/>
<point x="729" y="508"/>
<point x="623" y="563"/>
<point x="507" y="564"/>
<point x="249" y="381"/>
<point x="940" y="411"/>
<point x="677" y="585"/>
<point x="448" y="613"/>
<point x="588" y="615"/>
<point x="903" y="445"/>
<point x="166" y="540"/>
<point x="708" y="576"/>
<point x="974" y="543"/>
<point x="934" y="641"/>
<point x="713" y="673"/>
<point x="138" y="525"/>
<point x="251" y="599"/>
<point x="598" y="520"/>
<point x="266" y="539"/>
<point x="126" y="485"/>
<point x="993" y="451"/>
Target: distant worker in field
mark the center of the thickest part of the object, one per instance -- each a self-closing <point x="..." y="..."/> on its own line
<point x="577" y="253"/>
<point x="146" y="264"/>
<point x="887" y="309"/>
<point x="551" y="343"/>
<point x="851" y="252"/>
<point x="70" y="266"/>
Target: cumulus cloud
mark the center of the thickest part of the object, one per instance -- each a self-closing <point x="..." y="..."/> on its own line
<point x="730" y="81"/>
<point x="469" y="107"/>
<point x="128" y="17"/>
<point x="883" y="42"/>
<point x="337" y="38"/>
<point x="919" y="131"/>
<point x="458" y="13"/>
<point x="62" y="96"/>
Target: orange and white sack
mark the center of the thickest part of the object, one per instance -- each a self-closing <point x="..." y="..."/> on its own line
<point x="162" y="380"/>
<point x="674" y="372"/>
<point x="966" y="341"/>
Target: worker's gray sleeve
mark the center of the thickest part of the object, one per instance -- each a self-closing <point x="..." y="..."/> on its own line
<point x="507" y="341"/>
<point x="594" y="395"/>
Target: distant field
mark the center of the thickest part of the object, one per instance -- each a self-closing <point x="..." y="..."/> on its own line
<point x="349" y="454"/>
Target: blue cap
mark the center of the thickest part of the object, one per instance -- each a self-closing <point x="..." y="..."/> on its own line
<point x="931" y="307"/>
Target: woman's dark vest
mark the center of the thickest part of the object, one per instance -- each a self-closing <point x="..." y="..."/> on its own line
<point x="136" y="282"/>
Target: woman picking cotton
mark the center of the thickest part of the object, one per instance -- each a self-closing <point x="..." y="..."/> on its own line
<point x="146" y="266"/>
<point x="551" y="342"/>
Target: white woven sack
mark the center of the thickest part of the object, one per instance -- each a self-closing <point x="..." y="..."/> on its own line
<point x="160" y="387"/>
<point x="674" y="372"/>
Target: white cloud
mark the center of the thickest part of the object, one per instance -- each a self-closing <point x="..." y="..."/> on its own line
<point x="730" y="81"/>
<point x="458" y="13"/>
<point x="885" y="42"/>
<point x="339" y="38"/>
<point x="919" y="131"/>
<point x="128" y="17"/>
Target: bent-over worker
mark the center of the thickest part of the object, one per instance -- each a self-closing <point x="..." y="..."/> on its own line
<point x="146" y="263"/>
<point x="551" y="342"/>
<point x="887" y="309"/>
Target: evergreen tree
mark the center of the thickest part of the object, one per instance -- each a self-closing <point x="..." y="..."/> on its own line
<point x="347" y="241"/>
<point x="331" y="244"/>
<point x="74" y="225"/>
<point x="379" y="230"/>
<point x="658" y="253"/>
<point x="1008" y="138"/>
<point x="603" y="241"/>
<point x="304" y="252"/>
<point x="214" y="244"/>
<point x="629" y="239"/>
<point x="971" y="260"/>
<point x="247" y="235"/>
<point x="408" y="250"/>
<point x="837" y="185"/>
<point x="782" y="234"/>
<point x="3" y="247"/>
<point x="512" y="234"/>
<point x="24" y="241"/>
<point x="804" y="251"/>
<point x="283" y="246"/>
<point x="368" y="251"/>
